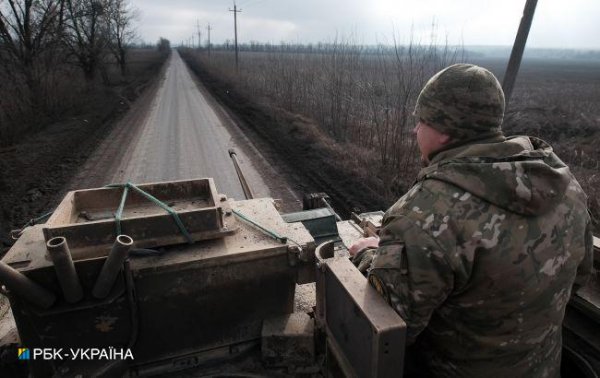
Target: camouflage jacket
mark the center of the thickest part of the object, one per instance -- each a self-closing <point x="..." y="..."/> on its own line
<point x="480" y="256"/>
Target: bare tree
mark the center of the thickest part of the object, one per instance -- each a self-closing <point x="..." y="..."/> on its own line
<point x="120" y="19"/>
<point x="87" y="33"/>
<point x="27" y="29"/>
<point x="360" y="95"/>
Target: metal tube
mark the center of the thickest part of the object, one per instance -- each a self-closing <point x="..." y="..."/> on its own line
<point x="245" y="187"/>
<point x="59" y="252"/>
<point x="112" y="266"/>
<point x="24" y="287"/>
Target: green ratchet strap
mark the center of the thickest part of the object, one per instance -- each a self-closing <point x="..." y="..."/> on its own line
<point x="38" y="219"/>
<point x="273" y="234"/>
<point x="15" y="234"/>
<point x="119" y="213"/>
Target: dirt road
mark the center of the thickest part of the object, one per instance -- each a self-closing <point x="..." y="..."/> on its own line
<point x="174" y="132"/>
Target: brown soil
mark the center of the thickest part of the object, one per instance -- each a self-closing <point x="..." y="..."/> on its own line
<point x="36" y="170"/>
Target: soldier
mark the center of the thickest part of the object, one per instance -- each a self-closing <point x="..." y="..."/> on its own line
<point x="481" y="255"/>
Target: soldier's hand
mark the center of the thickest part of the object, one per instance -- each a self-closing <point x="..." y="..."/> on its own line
<point x="360" y="244"/>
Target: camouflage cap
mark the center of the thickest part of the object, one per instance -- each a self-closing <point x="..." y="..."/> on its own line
<point x="463" y="101"/>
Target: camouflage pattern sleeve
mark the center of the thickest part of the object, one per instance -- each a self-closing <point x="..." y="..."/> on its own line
<point x="362" y="260"/>
<point x="412" y="273"/>
<point x="584" y="270"/>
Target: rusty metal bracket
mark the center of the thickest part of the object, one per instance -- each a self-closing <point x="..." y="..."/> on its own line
<point x="16" y="233"/>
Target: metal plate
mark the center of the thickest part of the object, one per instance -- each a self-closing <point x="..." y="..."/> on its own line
<point x="319" y="222"/>
<point x="367" y="335"/>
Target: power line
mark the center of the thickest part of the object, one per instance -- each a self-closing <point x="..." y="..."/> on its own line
<point x="209" y="29"/>
<point x="199" y="33"/>
<point x="235" y="12"/>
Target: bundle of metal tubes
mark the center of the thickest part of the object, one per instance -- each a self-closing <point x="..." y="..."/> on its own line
<point x="59" y="253"/>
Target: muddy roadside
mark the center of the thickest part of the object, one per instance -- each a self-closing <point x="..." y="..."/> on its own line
<point x="35" y="173"/>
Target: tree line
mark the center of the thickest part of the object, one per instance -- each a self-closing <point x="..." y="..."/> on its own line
<point x="86" y="30"/>
<point x="52" y="50"/>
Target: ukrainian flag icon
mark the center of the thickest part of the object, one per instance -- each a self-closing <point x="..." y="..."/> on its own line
<point x="23" y="353"/>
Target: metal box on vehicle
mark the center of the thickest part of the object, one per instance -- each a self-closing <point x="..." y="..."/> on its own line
<point x="87" y="217"/>
<point x="187" y="300"/>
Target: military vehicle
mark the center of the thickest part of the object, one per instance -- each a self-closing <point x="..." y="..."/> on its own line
<point x="173" y="278"/>
<point x="176" y="279"/>
<point x="151" y="279"/>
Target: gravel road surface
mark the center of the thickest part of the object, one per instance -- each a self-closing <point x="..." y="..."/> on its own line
<point x="174" y="132"/>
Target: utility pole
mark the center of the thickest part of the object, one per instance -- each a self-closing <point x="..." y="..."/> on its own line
<point x="235" y="12"/>
<point x="192" y="46"/>
<point x="209" y="29"/>
<point x="517" y="51"/>
<point x="199" y="34"/>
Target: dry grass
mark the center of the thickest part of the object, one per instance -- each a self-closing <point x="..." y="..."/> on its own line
<point x="361" y="101"/>
<point x="361" y="98"/>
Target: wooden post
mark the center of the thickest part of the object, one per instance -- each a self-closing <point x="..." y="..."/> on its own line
<point x="235" y="12"/>
<point x="517" y="51"/>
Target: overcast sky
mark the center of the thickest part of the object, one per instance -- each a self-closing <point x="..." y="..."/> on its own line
<point x="557" y="23"/>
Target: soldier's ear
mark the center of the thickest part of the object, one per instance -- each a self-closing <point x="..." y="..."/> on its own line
<point x="444" y="139"/>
